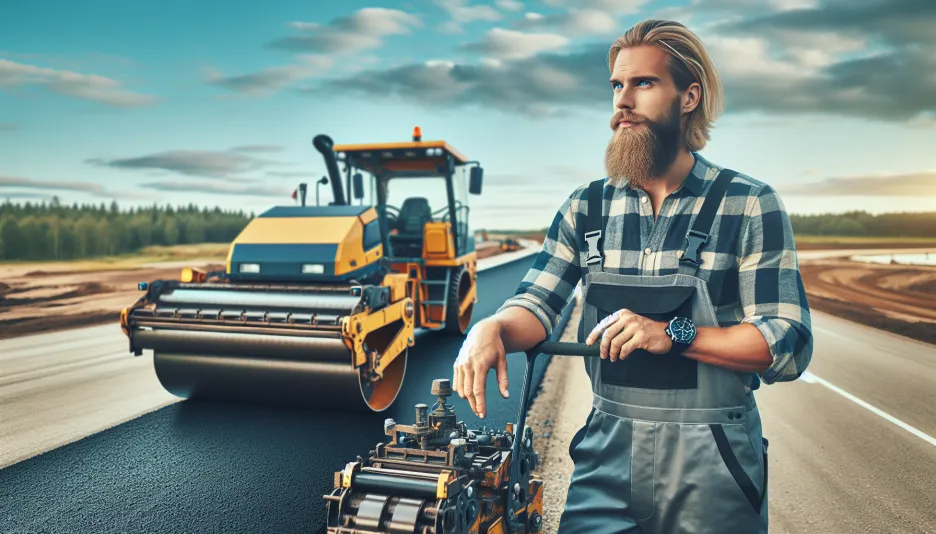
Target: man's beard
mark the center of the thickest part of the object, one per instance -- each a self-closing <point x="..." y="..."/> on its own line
<point x="641" y="155"/>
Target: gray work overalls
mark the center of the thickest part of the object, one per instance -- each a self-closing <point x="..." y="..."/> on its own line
<point x="671" y="445"/>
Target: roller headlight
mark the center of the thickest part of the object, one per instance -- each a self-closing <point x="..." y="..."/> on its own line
<point x="250" y="268"/>
<point x="313" y="268"/>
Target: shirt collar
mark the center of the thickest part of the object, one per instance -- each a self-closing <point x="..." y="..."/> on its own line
<point x="694" y="182"/>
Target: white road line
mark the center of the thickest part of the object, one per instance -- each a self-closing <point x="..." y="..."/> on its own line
<point x="811" y="378"/>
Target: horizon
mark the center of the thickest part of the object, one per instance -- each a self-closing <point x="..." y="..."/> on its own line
<point x="170" y="104"/>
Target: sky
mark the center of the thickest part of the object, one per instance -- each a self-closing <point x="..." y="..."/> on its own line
<point x="831" y="102"/>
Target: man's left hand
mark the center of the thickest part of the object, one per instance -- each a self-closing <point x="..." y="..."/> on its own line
<point x="624" y="331"/>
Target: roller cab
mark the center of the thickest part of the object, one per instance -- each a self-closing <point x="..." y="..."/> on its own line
<point x="318" y="305"/>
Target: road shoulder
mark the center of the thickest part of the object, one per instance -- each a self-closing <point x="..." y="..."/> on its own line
<point x="559" y="410"/>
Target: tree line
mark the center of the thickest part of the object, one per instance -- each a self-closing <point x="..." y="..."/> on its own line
<point x="55" y="231"/>
<point x="849" y="224"/>
<point x="864" y="224"/>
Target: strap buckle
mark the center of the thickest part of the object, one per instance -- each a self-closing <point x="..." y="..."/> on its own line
<point x="594" y="252"/>
<point x="694" y="241"/>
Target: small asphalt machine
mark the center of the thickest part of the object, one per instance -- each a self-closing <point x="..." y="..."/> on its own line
<point x="437" y="476"/>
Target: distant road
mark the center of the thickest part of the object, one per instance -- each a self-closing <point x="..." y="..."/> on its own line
<point x="821" y="254"/>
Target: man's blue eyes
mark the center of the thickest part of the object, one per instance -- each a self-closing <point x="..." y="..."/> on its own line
<point x="617" y="85"/>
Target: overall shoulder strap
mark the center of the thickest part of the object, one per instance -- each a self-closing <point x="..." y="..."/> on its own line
<point x="698" y="235"/>
<point x="592" y="239"/>
<point x="594" y="227"/>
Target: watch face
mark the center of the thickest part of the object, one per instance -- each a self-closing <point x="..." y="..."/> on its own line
<point x="683" y="330"/>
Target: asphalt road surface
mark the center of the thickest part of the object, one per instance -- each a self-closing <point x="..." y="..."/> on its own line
<point x="853" y="442"/>
<point x="220" y="467"/>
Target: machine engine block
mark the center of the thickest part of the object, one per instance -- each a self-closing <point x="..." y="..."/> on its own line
<point x="437" y="476"/>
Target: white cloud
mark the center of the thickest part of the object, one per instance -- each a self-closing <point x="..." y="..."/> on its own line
<point x="917" y="184"/>
<point x="362" y="30"/>
<point x="271" y="79"/>
<point x="618" y="7"/>
<point x="214" y="188"/>
<point x="509" y="44"/>
<point x="205" y="163"/>
<point x="748" y="57"/>
<point x="84" y="86"/>
<point x="461" y="12"/>
<point x="787" y="5"/>
<point x="572" y="22"/>
<point x="509" y="5"/>
<point x="450" y="27"/>
<point x="29" y="183"/>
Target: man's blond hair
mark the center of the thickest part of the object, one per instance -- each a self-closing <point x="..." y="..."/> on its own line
<point x="689" y="62"/>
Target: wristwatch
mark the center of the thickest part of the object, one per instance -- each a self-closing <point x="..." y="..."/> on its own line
<point x="682" y="332"/>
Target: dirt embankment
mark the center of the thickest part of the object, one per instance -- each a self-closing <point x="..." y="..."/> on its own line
<point x="42" y="300"/>
<point x="50" y="297"/>
<point x="897" y="298"/>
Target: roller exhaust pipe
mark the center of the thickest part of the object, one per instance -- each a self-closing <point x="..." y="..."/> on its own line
<point x="324" y="144"/>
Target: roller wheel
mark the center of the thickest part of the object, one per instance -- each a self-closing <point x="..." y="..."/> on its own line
<point x="459" y="286"/>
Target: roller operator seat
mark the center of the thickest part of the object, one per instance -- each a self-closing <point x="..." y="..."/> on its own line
<point x="414" y="214"/>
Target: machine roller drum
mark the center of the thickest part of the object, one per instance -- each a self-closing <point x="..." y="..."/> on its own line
<point x="298" y="371"/>
<point x="362" y="513"/>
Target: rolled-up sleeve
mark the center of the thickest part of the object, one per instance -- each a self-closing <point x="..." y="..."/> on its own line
<point x="551" y="280"/>
<point x="771" y="286"/>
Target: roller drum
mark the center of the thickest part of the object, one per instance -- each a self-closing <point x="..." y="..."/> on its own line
<point x="361" y="512"/>
<point x="260" y="344"/>
<point x="395" y="485"/>
<point x="298" y="371"/>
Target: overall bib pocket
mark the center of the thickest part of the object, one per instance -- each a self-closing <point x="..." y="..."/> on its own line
<point x="643" y="469"/>
<point x="723" y="477"/>
<point x="753" y="493"/>
<point x="641" y="368"/>
<point x="580" y="435"/>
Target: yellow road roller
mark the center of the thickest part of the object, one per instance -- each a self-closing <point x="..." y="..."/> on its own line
<point x="318" y="305"/>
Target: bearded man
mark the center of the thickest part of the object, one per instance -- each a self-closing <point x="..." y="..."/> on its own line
<point x="692" y="289"/>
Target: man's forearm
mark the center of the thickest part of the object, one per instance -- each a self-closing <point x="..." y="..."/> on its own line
<point x="520" y="330"/>
<point x="740" y="348"/>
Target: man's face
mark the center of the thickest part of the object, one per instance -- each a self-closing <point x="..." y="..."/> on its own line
<point x="647" y="117"/>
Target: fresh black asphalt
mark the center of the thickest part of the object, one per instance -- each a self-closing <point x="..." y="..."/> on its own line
<point x="215" y="467"/>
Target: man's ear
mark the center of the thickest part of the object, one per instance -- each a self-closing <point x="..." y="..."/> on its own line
<point x="691" y="97"/>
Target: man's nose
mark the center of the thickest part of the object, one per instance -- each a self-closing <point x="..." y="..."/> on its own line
<point x="624" y="99"/>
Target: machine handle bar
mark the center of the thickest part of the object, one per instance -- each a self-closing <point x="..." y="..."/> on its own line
<point x="560" y="348"/>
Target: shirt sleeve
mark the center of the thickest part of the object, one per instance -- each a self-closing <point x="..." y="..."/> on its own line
<point x="547" y="286"/>
<point x="771" y="286"/>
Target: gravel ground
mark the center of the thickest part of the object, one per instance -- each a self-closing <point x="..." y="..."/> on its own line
<point x="559" y="410"/>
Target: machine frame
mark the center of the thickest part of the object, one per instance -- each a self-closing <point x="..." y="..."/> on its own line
<point x="447" y="247"/>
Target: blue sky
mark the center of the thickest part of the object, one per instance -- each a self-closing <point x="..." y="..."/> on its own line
<point x="832" y="102"/>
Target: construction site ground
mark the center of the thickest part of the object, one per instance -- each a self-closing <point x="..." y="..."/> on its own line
<point x="52" y="296"/>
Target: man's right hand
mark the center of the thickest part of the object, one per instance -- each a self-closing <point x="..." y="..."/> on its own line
<point x="483" y="350"/>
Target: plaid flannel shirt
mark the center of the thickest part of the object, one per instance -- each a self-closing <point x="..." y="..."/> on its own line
<point x="749" y="264"/>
